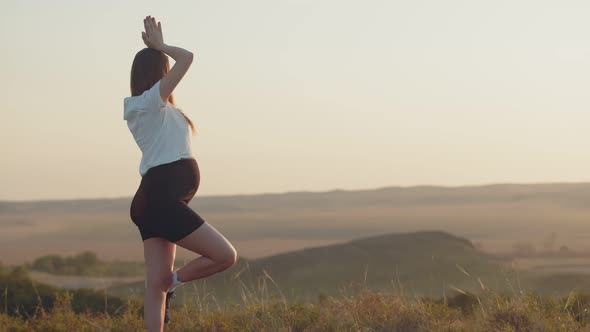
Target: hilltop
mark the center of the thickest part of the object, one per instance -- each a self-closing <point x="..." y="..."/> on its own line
<point x="417" y="263"/>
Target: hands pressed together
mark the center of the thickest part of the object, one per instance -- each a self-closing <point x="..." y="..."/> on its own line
<point x="152" y="36"/>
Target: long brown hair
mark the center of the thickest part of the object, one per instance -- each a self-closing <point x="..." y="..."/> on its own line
<point x="150" y="66"/>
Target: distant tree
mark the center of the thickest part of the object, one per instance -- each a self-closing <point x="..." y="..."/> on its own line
<point x="549" y="241"/>
<point x="25" y="295"/>
<point x="49" y="263"/>
<point x="564" y="249"/>
<point x="83" y="262"/>
<point x="523" y="248"/>
<point x="19" y="272"/>
<point x="86" y="264"/>
<point x="87" y="258"/>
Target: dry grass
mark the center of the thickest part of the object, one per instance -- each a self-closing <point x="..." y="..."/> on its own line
<point x="265" y="309"/>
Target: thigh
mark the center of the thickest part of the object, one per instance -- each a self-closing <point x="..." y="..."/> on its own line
<point x="173" y="221"/>
<point x="207" y="241"/>
<point x="159" y="256"/>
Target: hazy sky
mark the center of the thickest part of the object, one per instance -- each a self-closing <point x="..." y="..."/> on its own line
<point x="301" y="95"/>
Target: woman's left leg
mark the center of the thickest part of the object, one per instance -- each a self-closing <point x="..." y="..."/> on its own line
<point x="217" y="253"/>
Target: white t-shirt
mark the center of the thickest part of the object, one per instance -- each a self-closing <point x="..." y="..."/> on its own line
<point x="159" y="129"/>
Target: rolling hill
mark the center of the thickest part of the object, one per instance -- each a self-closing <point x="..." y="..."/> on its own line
<point x="416" y="263"/>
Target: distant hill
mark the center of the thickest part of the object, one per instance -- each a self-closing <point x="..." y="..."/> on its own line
<point x="495" y="217"/>
<point x="424" y="263"/>
<point x="567" y="193"/>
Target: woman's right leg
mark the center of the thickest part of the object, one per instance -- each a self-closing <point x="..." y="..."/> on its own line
<point x="159" y="257"/>
<point x="217" y="253"/>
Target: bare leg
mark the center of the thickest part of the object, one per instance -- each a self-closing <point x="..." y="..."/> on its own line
<point x="159" y="258"/>
<point x="217" y="253"/>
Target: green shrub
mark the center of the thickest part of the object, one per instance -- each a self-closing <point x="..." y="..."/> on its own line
<point x="24" y="297"/>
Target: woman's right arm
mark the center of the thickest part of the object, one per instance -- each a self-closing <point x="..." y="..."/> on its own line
<point x="183" y="59"/>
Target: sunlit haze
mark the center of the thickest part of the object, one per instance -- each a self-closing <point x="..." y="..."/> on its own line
<point x="301" y="95"/>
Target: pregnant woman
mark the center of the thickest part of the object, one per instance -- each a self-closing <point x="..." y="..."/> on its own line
<point x="170" y="178"/>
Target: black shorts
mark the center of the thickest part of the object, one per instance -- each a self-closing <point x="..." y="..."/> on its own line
<point x="160" y="205"/>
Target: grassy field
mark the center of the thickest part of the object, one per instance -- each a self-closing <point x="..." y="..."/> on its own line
<point x="364" y="310"/>
<point x="416" y="281"/>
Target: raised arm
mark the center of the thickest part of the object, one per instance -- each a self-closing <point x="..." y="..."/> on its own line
<point x="183" y="59"/>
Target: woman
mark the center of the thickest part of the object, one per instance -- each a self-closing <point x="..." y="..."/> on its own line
<point x="170" y="178"/>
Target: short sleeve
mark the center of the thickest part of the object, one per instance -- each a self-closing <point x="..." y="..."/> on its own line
<point x="152" y="98"/>
<point x="149" y="101"/>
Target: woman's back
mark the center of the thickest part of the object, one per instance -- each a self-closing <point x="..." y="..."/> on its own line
<point x="159" y="129"/>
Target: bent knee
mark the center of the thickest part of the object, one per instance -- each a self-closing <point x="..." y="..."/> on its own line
<point x="228" y="259"/>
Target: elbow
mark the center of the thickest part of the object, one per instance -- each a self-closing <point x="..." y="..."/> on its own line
<point x="187" y="59"/>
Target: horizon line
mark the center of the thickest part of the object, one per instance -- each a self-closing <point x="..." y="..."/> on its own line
<point x="489" y="184"/>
